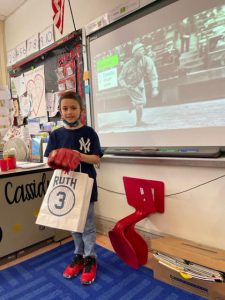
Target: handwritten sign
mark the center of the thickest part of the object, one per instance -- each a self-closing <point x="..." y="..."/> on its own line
<point x="11" y="57"/>
<point x="21" y="51"/>
<point x="33" y="44"/>
<point x="46" y="37"/>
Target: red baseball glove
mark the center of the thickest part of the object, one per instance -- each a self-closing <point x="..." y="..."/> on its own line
<point x="65" y="159"/>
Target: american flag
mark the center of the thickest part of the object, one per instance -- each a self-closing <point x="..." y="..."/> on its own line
<point x="58" y="18"/>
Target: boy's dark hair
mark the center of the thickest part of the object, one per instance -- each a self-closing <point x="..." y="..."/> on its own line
<point x="71" y="95"/>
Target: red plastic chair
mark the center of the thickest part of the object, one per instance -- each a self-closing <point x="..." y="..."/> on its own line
<point x="147" y="197"/>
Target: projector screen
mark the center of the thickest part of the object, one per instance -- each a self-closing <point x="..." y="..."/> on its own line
<point x="158" y="76"/>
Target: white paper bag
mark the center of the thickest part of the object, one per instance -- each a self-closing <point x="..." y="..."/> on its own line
<point x="66" y="202"/>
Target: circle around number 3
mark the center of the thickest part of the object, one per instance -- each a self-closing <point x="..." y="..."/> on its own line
<point x="61" y="200"/>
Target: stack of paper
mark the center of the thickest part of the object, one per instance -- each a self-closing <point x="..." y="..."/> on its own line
<point x="28" y="164"/>
<point x="189" y="269"/>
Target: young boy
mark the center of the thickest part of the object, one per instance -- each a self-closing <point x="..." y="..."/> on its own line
<point x="76" y="147"/>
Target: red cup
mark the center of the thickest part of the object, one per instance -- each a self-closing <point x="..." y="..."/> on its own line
<point x="4" y="165"/>
<point x="11" y="162"/>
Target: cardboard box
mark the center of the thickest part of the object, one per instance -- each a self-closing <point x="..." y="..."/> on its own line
<point x="206" y="289"/>
<point x="203" y="255"/>
<point x="199" y="254"/>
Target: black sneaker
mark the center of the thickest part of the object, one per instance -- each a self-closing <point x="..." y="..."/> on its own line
<point x="89" y="271"/>
<point x="75" y="267"/>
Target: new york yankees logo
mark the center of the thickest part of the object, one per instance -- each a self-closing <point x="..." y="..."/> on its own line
<point x="85" y="146"/>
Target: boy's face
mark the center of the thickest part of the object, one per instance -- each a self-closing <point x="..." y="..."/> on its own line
<point x="70" y="110"/>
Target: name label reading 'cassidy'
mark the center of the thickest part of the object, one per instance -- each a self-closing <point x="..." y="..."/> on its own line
<point x="25" y="192"/>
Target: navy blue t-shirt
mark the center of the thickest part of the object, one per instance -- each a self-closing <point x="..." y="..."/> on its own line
<point x="85" y="140"/>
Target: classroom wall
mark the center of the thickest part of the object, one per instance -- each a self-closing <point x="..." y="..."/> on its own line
<point x="197" y="215"/>
<point x="34" y="16"/>
<point x="3" y="74"/>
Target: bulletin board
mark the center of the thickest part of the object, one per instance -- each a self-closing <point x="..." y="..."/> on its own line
<point x="62" y="67"/>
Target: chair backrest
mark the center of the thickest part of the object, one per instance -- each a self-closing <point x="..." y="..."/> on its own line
<point x="144" y="195"/>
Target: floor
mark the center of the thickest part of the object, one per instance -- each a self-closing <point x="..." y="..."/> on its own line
<point x="102" y="240"/>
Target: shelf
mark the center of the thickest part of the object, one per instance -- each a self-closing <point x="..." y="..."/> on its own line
<point x="171" y="161"/>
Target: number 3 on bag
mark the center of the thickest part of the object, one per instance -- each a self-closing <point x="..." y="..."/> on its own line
<point x="66" y="202"/>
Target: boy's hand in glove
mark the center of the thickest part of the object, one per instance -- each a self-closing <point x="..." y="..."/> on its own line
<point x="65" y="159"/>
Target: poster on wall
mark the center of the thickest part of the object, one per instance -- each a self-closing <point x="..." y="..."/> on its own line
<point x="46" y="37"/>
<point x="4" y="113"/>
<point x="21" y="51"/>
<point x="35" y="87"/>
<point x="33" y="44"/>
<point x="18" y="87"/>
<point x="4" y="110"/>
<point x="11" y="57"/>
